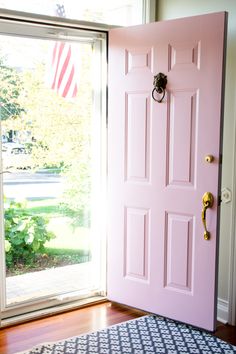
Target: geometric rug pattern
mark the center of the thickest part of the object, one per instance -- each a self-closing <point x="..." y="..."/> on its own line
<point x="145" y="335"/>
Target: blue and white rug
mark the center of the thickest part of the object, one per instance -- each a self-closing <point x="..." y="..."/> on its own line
<point x="145" y="335"/>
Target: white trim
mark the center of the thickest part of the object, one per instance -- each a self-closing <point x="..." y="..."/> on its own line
<point x="53" y="21"/>
<point x="232" y="243"/>
<point x="232" y="281"/>
<point x="2" y="243"/>
<point x="149" y="11"/>
<point x="47" y="30"/>
<point x="232" y="246"/>
<point x="56" y="309"/>
<point x="99" y="157"/>
<point x="222" y="310"/>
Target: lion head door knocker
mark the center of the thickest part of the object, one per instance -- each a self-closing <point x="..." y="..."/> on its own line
<point x="160" y="81"/>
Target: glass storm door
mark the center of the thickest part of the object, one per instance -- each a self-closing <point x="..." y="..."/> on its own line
<point x="52" y="149"/>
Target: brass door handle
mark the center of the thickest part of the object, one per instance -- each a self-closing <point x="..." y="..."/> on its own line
<point x="207" y="201"/>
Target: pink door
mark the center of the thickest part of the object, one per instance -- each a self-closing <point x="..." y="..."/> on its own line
<point x="158" y="259"/>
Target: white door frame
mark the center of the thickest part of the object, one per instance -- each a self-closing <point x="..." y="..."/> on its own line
<point x="43" y="30"/>
<point x="232" y="255"/>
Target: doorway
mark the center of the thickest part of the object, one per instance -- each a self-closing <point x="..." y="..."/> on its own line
<point x="52" y="169"/>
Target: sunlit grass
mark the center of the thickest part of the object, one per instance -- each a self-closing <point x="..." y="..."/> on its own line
<point x="67" y="236"/>
<point x="46" y="207"/>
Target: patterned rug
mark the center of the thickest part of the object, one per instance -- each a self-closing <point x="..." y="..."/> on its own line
<point x="145" y="335"/>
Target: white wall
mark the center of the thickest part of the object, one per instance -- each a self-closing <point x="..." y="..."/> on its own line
<point x="169" y="9"/>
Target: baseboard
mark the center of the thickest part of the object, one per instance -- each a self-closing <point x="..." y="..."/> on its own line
<point x="222" y="310"/>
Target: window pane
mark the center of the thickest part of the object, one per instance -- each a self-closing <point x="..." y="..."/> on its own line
<point x="113" y="12"/>
<point x="51" y="151"/>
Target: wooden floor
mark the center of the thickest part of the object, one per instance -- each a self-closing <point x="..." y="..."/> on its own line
<point x="92" y="318"/>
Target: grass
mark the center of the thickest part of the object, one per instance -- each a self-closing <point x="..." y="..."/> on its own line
<point x="45" y="207"/>
<point x="59" y="252"/>
<point x="67" y="236"/>
<point x="69" y="255"/>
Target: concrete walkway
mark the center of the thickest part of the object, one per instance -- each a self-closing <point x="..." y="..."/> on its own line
<point x="54" y="281"/>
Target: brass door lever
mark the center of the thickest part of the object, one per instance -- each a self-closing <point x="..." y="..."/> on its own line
<point x="207" y="201"/>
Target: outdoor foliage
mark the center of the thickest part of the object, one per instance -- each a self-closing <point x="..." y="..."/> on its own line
<point x="10" y="89"/>
<point x="25" y="234"/>
<point x="61" y="134"/>
<point x="77" y="194"/>
<point x="56" y="132"/>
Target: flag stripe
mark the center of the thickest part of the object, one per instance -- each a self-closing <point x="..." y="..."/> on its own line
<point x="68" y="84"/>
<point x="63" y="67"/>
<point x="65" y="61"/>
<point x="55" y="64"/>
<point x="63" y="70"/>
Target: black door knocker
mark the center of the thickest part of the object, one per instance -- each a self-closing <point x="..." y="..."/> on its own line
<point x="159" y="82"/>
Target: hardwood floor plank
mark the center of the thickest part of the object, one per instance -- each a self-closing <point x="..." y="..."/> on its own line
<point x="53" y="328"/>
<point x="226" y="332"/>
<point x="76" y="322"/>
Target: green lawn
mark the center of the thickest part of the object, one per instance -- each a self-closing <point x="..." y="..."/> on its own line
<point x="67" y="236"/>
<point x="46" y="207"/>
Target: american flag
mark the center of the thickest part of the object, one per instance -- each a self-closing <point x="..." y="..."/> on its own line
<point x="63" y="67"/>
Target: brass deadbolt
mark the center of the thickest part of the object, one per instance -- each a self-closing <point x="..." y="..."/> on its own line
<point x="209" y="158"/>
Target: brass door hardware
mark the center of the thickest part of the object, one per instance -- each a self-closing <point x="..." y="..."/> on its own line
<point x="207" y="201"/>
<point x="209" y="158"/>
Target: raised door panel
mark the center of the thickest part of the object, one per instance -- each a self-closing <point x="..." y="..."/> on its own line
<point x="179" y="252"/>
<point x="136" y="237"/>
<point x="137" y="133"/>
<point x="181" y="138"/>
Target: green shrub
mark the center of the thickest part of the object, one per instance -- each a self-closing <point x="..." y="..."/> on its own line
<point x="25" y="234"/>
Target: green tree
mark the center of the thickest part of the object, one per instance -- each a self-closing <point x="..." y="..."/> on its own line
<point x="10" y="89"/>
<point x="61" y="131"/>
<point x="60" y="127"/>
